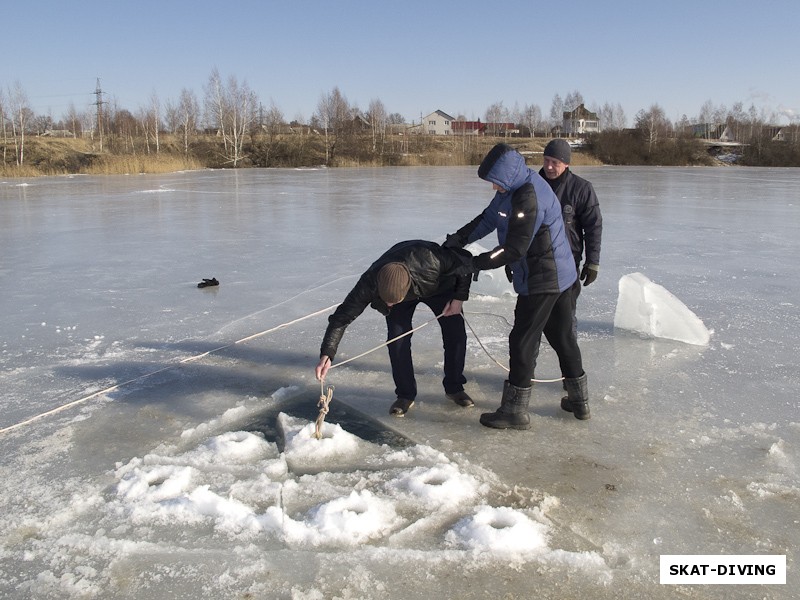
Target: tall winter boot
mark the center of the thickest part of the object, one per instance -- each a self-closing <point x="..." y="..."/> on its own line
<point x="513" y="411"/>
<point x="577" y="399"/>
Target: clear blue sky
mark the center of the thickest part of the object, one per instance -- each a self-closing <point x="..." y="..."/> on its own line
<point x="414" y="56"/>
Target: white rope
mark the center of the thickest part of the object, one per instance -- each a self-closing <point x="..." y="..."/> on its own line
<point x="386" y="343"/>
<point x="246" y="339"/>
<point x="495" y="360"/>
<point x="161" y="370"/>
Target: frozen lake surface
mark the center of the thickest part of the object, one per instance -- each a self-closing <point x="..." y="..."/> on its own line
<point x="178" y="463"/>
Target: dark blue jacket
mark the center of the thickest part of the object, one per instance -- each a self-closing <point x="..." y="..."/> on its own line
<point x="530" y="230"/>
<point x="581" y="212"/>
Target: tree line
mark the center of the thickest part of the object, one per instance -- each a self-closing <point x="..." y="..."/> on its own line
<point x="250" y="133"/>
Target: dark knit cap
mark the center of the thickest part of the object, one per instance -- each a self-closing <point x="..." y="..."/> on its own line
<point x="394" y="282"/>
<point x="558" y="149"/>
<point x="491" y="158"/>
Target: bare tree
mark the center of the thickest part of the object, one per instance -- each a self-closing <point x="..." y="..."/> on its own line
<point x="272" y="120"/>
<point x="188" y="113"/>
<point x="149" y="118"/>
<point x="532" y="118"/>
<point x="706" y="117"/>
<point x="333" y="112"/>
<point x="21" y="115"/>
<point x="73" y="120"/>
<point x="378" y="120"/>
<point x="611" y="117"/>
<point x="653" y="124"/>
<point x="155" y="111"/>
<point x="495" y="115"/>
<point x="573" y="100"/>
<point x="3" y="123"/>
<point x="556" y="111"/>
<point x="215" y="105"/>
<point x="231" y="109"/>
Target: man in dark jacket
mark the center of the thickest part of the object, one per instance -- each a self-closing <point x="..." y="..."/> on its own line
<point x="408" y="273"/>
<point x="582" y="221"/>
<point x="527" y="217"/>
<point x="580" y="210"/>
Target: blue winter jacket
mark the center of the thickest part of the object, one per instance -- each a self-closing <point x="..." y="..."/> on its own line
<point x="530" y="229"/>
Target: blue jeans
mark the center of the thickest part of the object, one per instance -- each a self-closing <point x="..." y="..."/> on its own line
<point x="454" y="339"/>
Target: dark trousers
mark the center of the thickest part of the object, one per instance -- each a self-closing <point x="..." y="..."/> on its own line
<point x="454" y="339"/>
<point x="551" y="314"/>
<point x="575" y="292"/>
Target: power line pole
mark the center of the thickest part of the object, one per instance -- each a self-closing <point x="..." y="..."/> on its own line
<point x="99" y="104"/>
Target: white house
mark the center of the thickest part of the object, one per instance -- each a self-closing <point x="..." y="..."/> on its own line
<point x="579" y="121"/>
<point x="436" y="123"/>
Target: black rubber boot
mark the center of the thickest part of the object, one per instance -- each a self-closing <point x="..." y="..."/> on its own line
<point x="577" y="399"/>
<point x="513" y="411"/>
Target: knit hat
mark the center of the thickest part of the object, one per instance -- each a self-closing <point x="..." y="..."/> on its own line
<point x="394" y="282"/>
<point x="558" y="149"/>
<point x="491" y="158"/>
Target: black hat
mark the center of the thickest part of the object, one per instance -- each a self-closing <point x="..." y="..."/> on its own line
<point x="558" y="149"/>
<point x="491" y="158"/>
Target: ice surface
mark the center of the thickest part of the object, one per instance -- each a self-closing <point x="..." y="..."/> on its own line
<point x="193" y="471"/>
<point x="646" y="307"/>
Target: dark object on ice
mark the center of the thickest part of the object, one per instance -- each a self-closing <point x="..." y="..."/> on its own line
<point x="208" y="282"/>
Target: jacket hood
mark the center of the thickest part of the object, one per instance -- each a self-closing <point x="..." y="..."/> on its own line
<point x="505" y="167"/>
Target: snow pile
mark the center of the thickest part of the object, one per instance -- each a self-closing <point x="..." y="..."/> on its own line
<point x="337" y="492"/>
<point x="647" y="308"/>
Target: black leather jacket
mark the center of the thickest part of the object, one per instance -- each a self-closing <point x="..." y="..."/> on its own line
<point x="434" y="270"/>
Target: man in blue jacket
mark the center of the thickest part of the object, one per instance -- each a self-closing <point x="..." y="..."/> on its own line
<point x="530" y="230"/>
<point x="408" y="273"/>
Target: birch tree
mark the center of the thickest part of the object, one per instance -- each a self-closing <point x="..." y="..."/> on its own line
<point x="532" y="118"/>
<point x="378" y="121"/>
<point x="3" y="123"/>
<point x="653" y="124"/>
<point x="611" y="117"/>
<point x="231" y="109"/>
<point x="21" y="115"/>
<point x="187" y="113"/>
<point x="556" y="111"/>
<point x="333" y="112"/>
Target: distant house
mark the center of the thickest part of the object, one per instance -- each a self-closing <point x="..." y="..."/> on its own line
<point x="478" y="128"/>
<point x="580" y="121"/>
<point x="469" y="128"/>
<point x="775" y="133"/>
<point x="360" y="123"/>
<point x="436" y="123"/>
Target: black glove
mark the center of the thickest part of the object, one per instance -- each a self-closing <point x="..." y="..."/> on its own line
<point x="589" y="273"/>
<point x="208" y="282"/>
<point x="453" y="240"/>
<point x="509" y="274"/>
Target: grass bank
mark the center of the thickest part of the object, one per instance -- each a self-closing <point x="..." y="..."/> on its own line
<point x="59" y="156"/>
